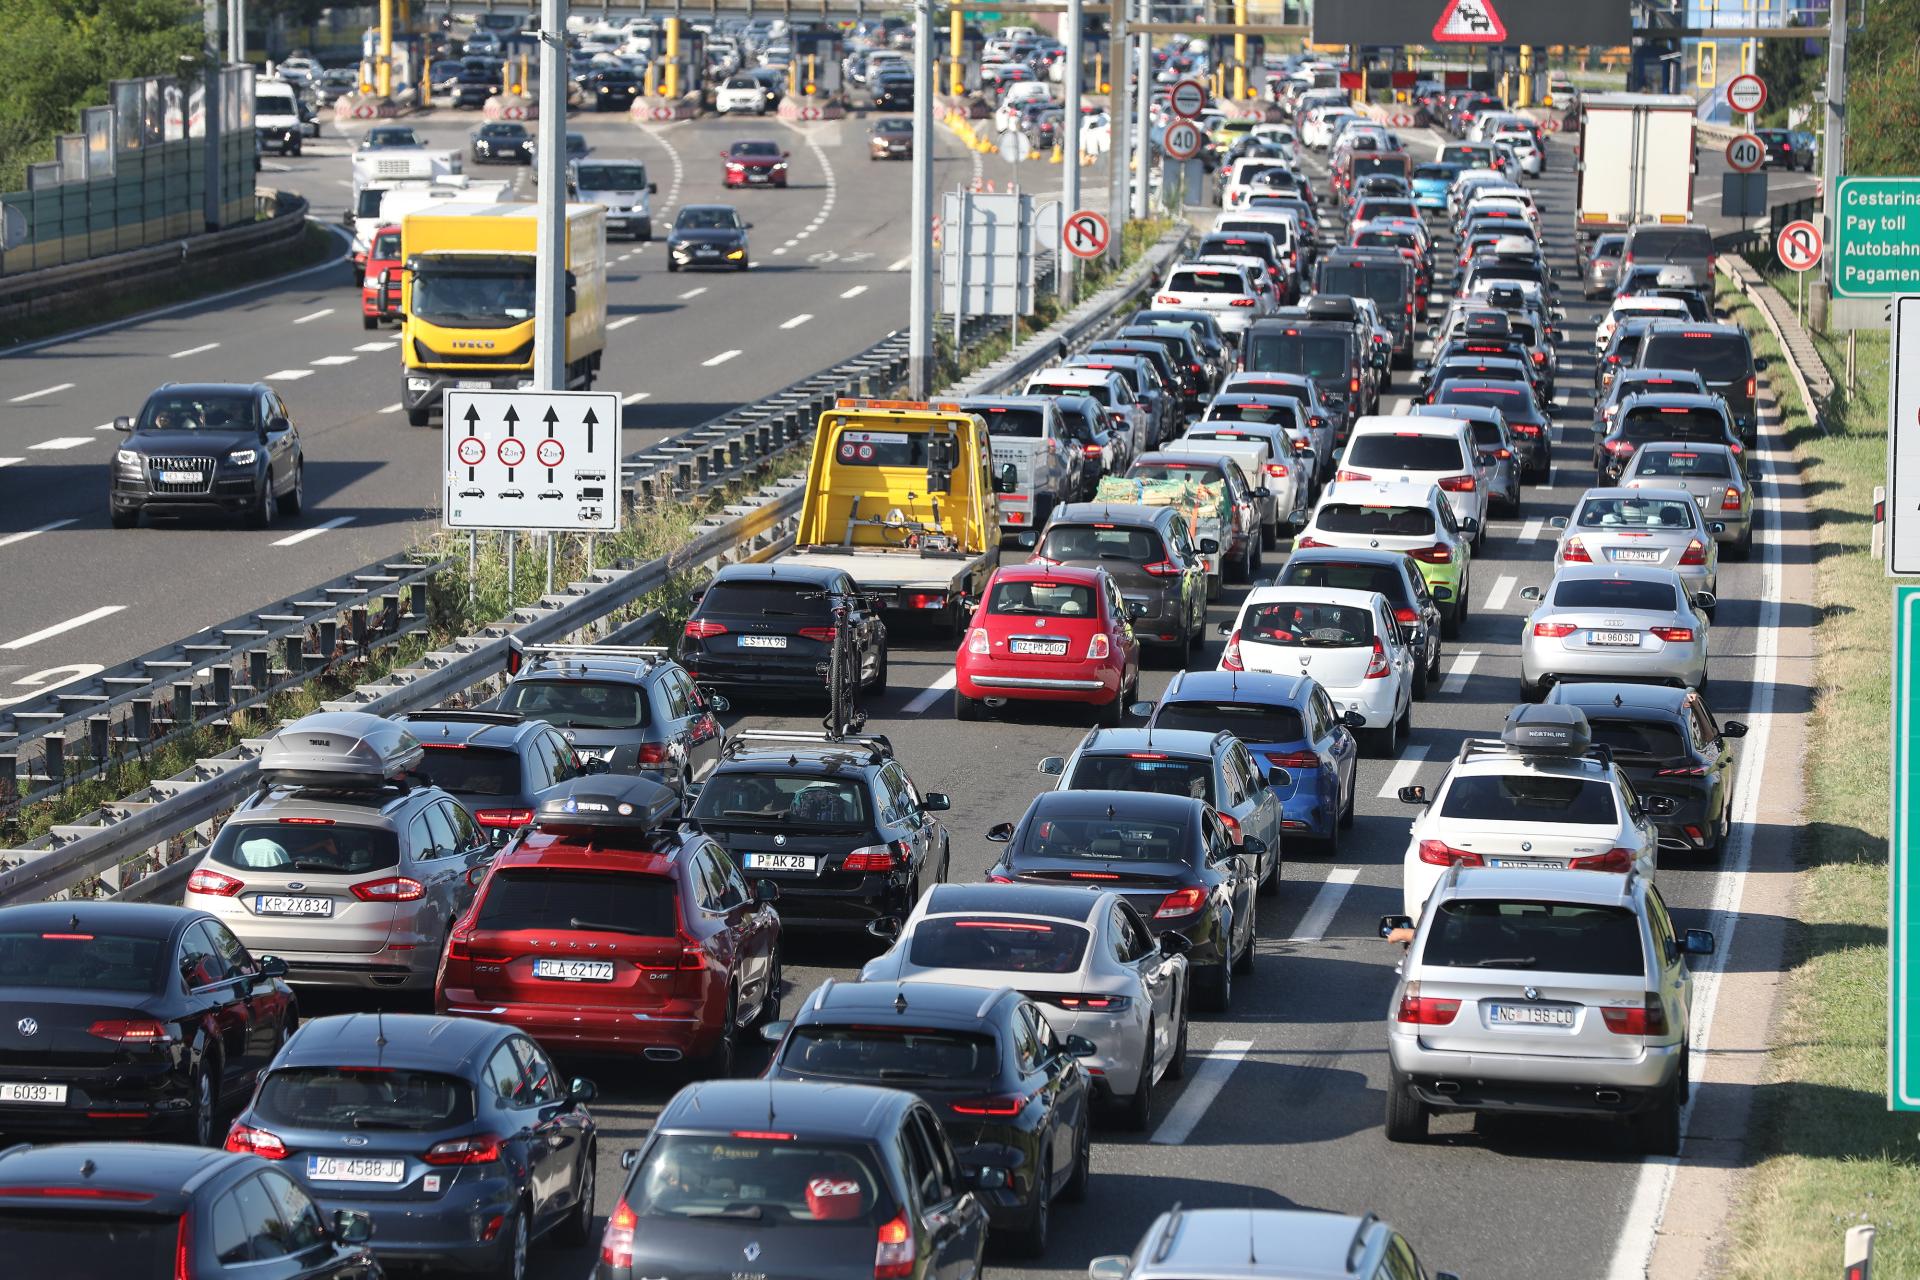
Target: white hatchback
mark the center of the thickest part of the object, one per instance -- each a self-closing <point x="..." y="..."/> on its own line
<point x="1423" y="451"/>
<point x="1347" y="640"/>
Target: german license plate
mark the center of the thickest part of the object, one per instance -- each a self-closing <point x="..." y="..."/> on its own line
<point x="356" y="1169"/>
<point x="1637" y="555"/>
<point x="763" y="642"/>
<point x="38" y="1095"/>
<point x="183" y="477"/>
<point x="574" y="970"/>
<point x="1044" y="648"/>
<point x="1529" y="864"/>
<point x="1625" y="639"/>
<point x="1530" y="1015"/>
<point x="780" y="862"/>
<point x="275" y="904"/>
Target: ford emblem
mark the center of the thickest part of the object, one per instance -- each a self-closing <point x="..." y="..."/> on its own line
<point x="356" y="1140"/>
<point x="28" y="1027"/>
<point x="296" y="884"/>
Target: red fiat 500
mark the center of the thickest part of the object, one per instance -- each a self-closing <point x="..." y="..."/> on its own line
<point x="1048" y="633"/>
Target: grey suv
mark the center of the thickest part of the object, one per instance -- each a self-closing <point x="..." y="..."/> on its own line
<point x="1543" y="992"/>
<point x="1265" y="1244"/>
<point x="208" y="447"/>
<point x="1161" y="573"/>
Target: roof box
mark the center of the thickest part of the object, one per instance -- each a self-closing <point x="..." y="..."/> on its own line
<point x="340" y="749"/>
<point x="1547" y="731"/>
<point x="1332" y="306"/>
<point x="605" y="801"/>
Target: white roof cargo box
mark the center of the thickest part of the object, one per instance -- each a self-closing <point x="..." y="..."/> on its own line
<point x="341" y="750"/>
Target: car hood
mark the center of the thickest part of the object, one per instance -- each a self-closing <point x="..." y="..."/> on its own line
<point x="756" y="162"/>
<point x="214" y="442"/>
<point x="707" y="236"/>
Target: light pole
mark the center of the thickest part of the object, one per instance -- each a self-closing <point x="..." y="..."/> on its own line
<point x="550" y="235"/>
<point x="1070" y="145"/>
<point x="1119" y="125"/>
<point x="920" y="288"/>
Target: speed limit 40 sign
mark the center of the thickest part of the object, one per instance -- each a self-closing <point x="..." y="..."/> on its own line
<point x="1746" y="154"/>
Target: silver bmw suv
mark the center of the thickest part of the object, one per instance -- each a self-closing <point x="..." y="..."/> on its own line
<point x="1543" y="992"/>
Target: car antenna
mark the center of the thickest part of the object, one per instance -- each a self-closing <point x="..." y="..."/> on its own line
<point x="1253" y="1259"/>
<point x="1109" y="813"/>
<point x="380" y="1029"/>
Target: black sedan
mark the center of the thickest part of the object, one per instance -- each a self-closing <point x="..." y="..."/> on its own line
<point x="1010" y="1093"/>
<point x="473" y="86"/>
<point x="611" y="88"/>
<point x="208" y="447"/>
<point x="772" y="629"/>
<point x="502" y="142"/>
<point x="129" y="1019"/>
<point x="1668" y="743"/>
<point x="455" y="1136"/>
<point x="708" y="235"/>
<point x="892" y="91"/>
<point x="1170" y="855"/>
<point x="1787" y="148"/>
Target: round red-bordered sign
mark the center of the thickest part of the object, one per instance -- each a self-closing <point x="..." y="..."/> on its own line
<point x="1086" y="234"/>
<point x="1746" y="154"/>
<point x="1746" y="93"/>
<point x="550" y="453"/>
<point x="1182" y="140"/>
<point x="512" y="451"/>
<point x="1187" y="99"/>
<point x="472" y="451"/>
<point x="1799" y="245"/>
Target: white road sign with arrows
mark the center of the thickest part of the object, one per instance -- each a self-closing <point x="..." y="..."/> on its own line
<point x="533" y="460"/>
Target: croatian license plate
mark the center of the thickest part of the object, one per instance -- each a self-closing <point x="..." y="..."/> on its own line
<point x="706" y="252"/>
<point x="183" y="477"/>
<point x="756" y="177"/>
<point x="763" y="642"/>
<point x="1625" y="639"/>
<point x="1530" y="1015"/>
<point x="1529" y="864"/>
<point x="780" y="862"/>
<point x="356" y="1169"/>
<point x="274" y="904"/>
<point x="574" y="970"/>
<point x="1045" y="648"/>
<point x="1637" y="555"/>
<point x="38" y="1095"/>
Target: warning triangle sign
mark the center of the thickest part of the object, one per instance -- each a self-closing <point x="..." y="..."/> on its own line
<point x="1470" y="22"/>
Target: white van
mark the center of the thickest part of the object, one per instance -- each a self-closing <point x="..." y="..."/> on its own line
<point x="277" y="122"/>
<point x="622" y="187"/>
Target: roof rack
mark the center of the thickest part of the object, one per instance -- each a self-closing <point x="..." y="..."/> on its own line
<point x="543" y="655"/>
<point x="1164" y="1245"/>
<point x="877" y="746"/>
<point x="1473" y="748"/>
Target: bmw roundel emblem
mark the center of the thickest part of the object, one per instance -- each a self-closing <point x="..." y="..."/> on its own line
<point x="28" y="1026"/>
<point x="1531" y="993"/>
<point x="779" y="839"/>
<point x="1526" y="846"/>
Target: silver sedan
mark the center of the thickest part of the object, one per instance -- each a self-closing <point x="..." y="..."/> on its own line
<point x="1711" y="474"/>
<point x="1642" y="526"/>
<point x="1087" y="958"/>
<point x="1595" y="622"/>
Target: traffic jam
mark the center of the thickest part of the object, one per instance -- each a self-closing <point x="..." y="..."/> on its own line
<point x="1227" y="561"/>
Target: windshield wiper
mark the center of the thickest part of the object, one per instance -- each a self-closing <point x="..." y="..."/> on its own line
<point x="1507" y="962"/>
<point x="745" y="1211"/>
<point x="600" y="927"/>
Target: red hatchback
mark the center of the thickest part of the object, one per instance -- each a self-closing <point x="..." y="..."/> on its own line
<point x="1048" y="633"/>
<point x="754" y="163"/>
<point x="608" y="928"/>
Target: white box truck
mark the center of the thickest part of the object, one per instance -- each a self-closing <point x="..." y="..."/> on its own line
<point x="1636" y="161"/>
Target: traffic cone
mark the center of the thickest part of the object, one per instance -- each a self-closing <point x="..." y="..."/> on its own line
<point x="1056" y="156"/>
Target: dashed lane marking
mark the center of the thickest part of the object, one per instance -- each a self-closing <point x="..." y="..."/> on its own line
<point x="61" y="628"/>
<point x="44" y="391"/>
<point x="314" y="315"/>
<point x="1404" y="771"/>
<point x="1326" y="902"/>
<point x="7" y="462"/>
<point x="855" y="292"/>
<point x="193" y="351"/>
<point x="63" y="442"/>
<point x="1502" y="590"/>
<point x="622" y="322"/>
<point x="376" y="346"/>
<point x="636" y="397"/>
<point x="329" y="361"/>
<point x="1461" y="671"/>
<point x="928" y="696"/>
<point x="722" y="358"/>
<point x="693" y="293"/>
<point x="1216" y="1068"/>
<point x="1530" y="531"/>
<point x="295" y="539"/>
<point x="901" y="264"/>
<point x="289" y="375"/>
<point x="395" y="407"/>
<point x="24" y="534"/>
<point x="797" y="321"/>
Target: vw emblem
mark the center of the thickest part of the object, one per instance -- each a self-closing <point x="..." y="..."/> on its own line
<point x="752" y="1250"/>
<point x="28" y="1027"/>
<point x="357" y="1140"/>
<point x="1531" y="993"/>
<point x="779" y="839"/>
<point x="1526" y="846"/>
<point x="569" y="735"/>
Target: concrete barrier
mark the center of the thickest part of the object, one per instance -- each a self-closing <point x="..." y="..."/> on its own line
<point x="511" y="106"/>
<point x="363" y="107"/>
<point x="807" y="110"/>
<point x="649" y="111"/>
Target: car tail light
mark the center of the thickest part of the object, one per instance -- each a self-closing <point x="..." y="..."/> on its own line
<point x="1730" y="500"/>
<point x="1438" y="553"/>
<point x="1526" y="428"/>
<point x="208" y="881"/>
<point x="1684" y="771"/>
<point x="1099" y="648"/>
<point x="1163" y="569"/>
<point x="894" y="1254"/>
<point x="1619" y="448"/>
<point x="1553" y="630"/>
<point x="926" y="600"/>
<point x="1425" y="1011"/>
<point x="977" y="641"/>
<point x="823" y="634"/>
<point x="1100" y="1004"/>
<point x="1539" y="357"/>
<point x="1092" y="450"/>
<point x="390" y="889"/>
<point x="1011" y="1104"/>
<point x="1458" y="484"/>
<point x="460" y="941"/>
<point x="1181" y="902"/>
<point x="1650" y="1019"/>
<point x="480" y="1149"/>
<point x="994" y="877"/>
<point x="503" y="818"/>
<point x="616" y="1244"/>
<point x="1241" y="302"/>
<point x="1310" y="542"/>
<point x="700" y="629"/>
<point x="1575" y="552"/>
<point x="1752" y="386"/>
<point x="1405" y="615"/>
<point x="879" y="857"/>
<point x="1618" y="860"/>
<point x="1674" y="635"/>
<point x="1344" y="474"/>
<point x="1377" y="668"/>
<point x="1230" y="659"/>
<point x="1353" y="385"/>
<point x="651" y="753"/>
<point x="693" y="956"/>
<point x="1166" y="297"/>
<point x="1232" y="824"/>
<point x="1278" y="470"/>
<point x="1439" y="853"/>
<point x="1696" y="552"/>
<point x="131" y="1030"/>
<point x="246" y="1139"/>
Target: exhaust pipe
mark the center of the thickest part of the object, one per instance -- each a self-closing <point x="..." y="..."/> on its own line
<point x="1446" y="1086"/>
<point x="661" y="1053"/>
<point x="1608" y="1096"/>
<point x="995" y="703"/>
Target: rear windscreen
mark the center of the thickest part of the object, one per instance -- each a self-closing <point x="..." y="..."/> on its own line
<point x="1715" y="357"/>
<point x="1487" y="435"/>
<point x="1201" y="472"/>
<point x="1043" y="600"/>
<point x="1028" y="946"/>
<point x="1608" y="247"/>
<point x="1099" y="393"/>
<point x="1076" y="543"/>
<point x="320" y="848"/>
<point x="1635" y="513"/>
<point x="1614" y="593"/>
<point x="783" y="797"/>
<point x="1021" y="424"/>
<point x="1281" y="233"/>
<point x="1682" y="463"/>
<point x="90" y="1246"/>
<point x="882" y="449"/>
<point x="759" y="1178"/>
<point x="1405" y="452"/>
<point x="1553" y="937"/>
<point x="350" y="1098"/>
<point x="1436" y="172"/>
<point x="1312" y="355"/>
<point x="1516" y="404"/>
<point x="1369" y="210"/>
<point x="885" y="1055"/>
<point x="1230" y="245"/>
<point x="1383" y="522"/>
<point x="1639" y="739"/>
<point x="1673" y="424"/>
<point x="1148" y="771"/>
<point x="578" y="704"/>
<point x="1343" y="577"/>
<point x="1303" y="625"/>
<point x="1206" y="282"/>
<point x="79" y="959"/>
<point x="1664" y="244"/>
<point x="1246" y="412"/>
<point x="1386" y="285"/>
<point x="587" y="901"/>
<point x="476" y="771"/>
<point x="1248" y="721"/>
<point x="766" y="598"/>
<point x="1528" y="797"/>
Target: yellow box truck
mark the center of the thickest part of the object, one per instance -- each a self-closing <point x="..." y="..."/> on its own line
<point x="467" y="300"/>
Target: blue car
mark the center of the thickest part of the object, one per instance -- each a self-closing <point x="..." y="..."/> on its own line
<point x="1432" y="182"/>
<point x="1285" y="721"/>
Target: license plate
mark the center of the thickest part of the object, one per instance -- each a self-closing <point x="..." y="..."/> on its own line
<point x="1637" y="555"/>
<point x="763" y="642"/>
<point x="574" y="970"/>
<point x="274" y="904"/>
<point x="1529" y="864"/>
<point x="183" y="477"/>
<point x="38" y="1095"/>
<point x="1530" y="1015"/>
<point x="472" y="384"/>
<point x="1046" y="648"/>
<point x="356" y="1169"/>
<point x="707" y="253"/>
<point x="1700" y="500"/>
<point x="756" y="177"/>
<point x="1629" y="639"/>
<point x="780" y="861"/>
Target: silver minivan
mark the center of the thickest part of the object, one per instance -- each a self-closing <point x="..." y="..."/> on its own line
<point x="622" y="187"/>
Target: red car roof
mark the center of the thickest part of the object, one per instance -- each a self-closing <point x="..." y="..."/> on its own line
<point x="572" y="851"/>
<point x="1051" y="573"/>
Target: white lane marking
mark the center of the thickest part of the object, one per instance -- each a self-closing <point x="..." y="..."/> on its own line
<point x="193" y="351"/>
<point x="1530" y="531"/>
<point x="901" y="264"/>
<point x="693" y="293"/>
<point x="622" y="322"/>
<point x="61" y="628"/>
<point x="1216" y="1067"/>
<point x="1404" y="771"/>
<point x="1502" y="590"/>
<point x="855" y="292"/>
<point x="63" y="442"/>
<point x="289" y="375"/>
<point x="24" y="534"/>
<point x="329" y="361"/>
<point x="777" y="252"/>
<point x="636" y="397"/>
<point x="314" y="315"/>
<point x="44" y="391"/>
<point x="930" y="695"/>
<point x="105" y="426"/>
<point x="376" y="346"/>
<point x="395" y="407"/>
<point x="1457" y="675"/>
<point x="1326" y="902"/>
<point x="297" y="538"/>
<point x="722" y="358"/>
<point x="797" y="321"/>
<point x="1546" y="481"/>
<point x="7" y="462"/>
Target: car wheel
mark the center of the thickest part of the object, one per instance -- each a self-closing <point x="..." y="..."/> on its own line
<point x="1031" y="1240"/>
<point x="1076" y="1189"/>
<point x="295" y="498"/>
<point x="417" y="417"/>
<point x="369" y="322"/>
<point x="1657" y="1132"/>
<point x="1177" y="1062"/>
<point x="1213" y="585"/>
<point x="1742" y="548"/>
<point x="879" y="684"/>
<point x="1421" y="678"/>
<point x="743" y="265"/>
<point x="1450" y="620"/>
<point x="719" y="1064"/>
<point x="1270" y="887"/>
<point x="262" y="514"/>
<point x="965" y="708"/>
<point x="512" y="1264"/>
<point x="123" y="519"/>
<point x="203" y="1117"/>
<point x="1139" y="1109"/>
<point x="1217" y="981"/>
<point x="1385" y="742"/>
<point x="769" y="1010"/>
<point x="1243" y="963"/>
<point x="1270" y="535"/>
<point x="1406" y="721"/>
<point x="672" y="266"/>
<point x="1406" y="1114"/>
<point x="577" y="1229"/>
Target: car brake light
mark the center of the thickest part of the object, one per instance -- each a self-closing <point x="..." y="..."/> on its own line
<point x="1438" y="853"/>
<point x="893" y="1256"/>
<point x="505" y="818"/>
<point x="1162" y="569"/>
<point x="1650" y="1019"/>
<point x="1181" y="902"/>
<point x="1007" y="1105"/>
<point x="1278" y="470"/>
<point x="1092" y="450"/>
<point x="823" y="634"/>
<point x="616" y="1245"/>
<point x="1575" y="552"/>
<point x="481" y="1149"/>
<point x="245" y="1139"/>
<point x="1753" y="385"/>
<point x="651" y="753"/>
<point x="1619" y="448"/>
<point x="1438" y="553"/>
<point x="390" y="889"/>
<point x="1166" y="297"/>
<point x="1674" y="635"/>
<point x="1230" y="660"/>
<point x="1405" y="615"/>
<point x="183" y="1248"/>
<point x="1105" y="1004"/>
<point x="131" y="1030"/>
<point x="1377" y="668"/>
<point x="1696" y="552"/>
<point x="879" y="857"/>
<point x="208" y="881"/>
<point x="1232" y="824"/>
<point x="1344" y="474"/>
<point x="1426" y="1011"/>
<point x="1684" y="771"/>
<point x="1616" y="860"/>
<point x="1458" y="484"/>
<point x="1553" y="630"/>
<point x="1241" y="302"/>
<point x="1098" y="648"/>
<point x="700" y="629"/>
<point x="977" y="642"/>
<point x="1353" y="384"/>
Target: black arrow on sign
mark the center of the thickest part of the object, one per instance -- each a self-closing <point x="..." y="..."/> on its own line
<point x="550" y="419"/>
<point x="473" y="428"/>
<point x="590" y="421"/>
<point x="513" y="418"/>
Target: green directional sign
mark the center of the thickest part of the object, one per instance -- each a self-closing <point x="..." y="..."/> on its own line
<point x="1903" y="915"/>
<point x="1876" y="237"/>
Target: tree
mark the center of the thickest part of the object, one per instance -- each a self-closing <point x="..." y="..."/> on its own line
<point x="1883" y="91"/>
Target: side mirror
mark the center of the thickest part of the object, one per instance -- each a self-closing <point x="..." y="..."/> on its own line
<point x="352" y="1226"/>
<point x="936" y="802"/>
<point x="1698" y="942"/>
<point x="718" y="704"/>
<point x="1470" y="526"/>
<point x="1209" y="546"/>
<point x="1353" y="719"/>
<point x="886" y="928"/>
<point x="1659" y="806"/>
<point x="1113" y="1266"/>
<point x="478" y="872"/>
<point x="1556" y="522"/>
<point x="1254" y="846"/>
<point x="629" y="1158"/>
<point x="1704" y="599"/>
<point x="765" y="891"/>
<point x="1733" y="729"/>
<point x="275" y="967"/>
<point x="1759" y="364"/>
<point x="1226" y="628"/>
<point x="1000" y="832"/>
<point x="1433" y="332"/>
<point x="123" y="423"/>
<point x="1175" y="943"/>
<point x="786" y="155"/>
<point x="1717" y="527"/>
<point x="1053" y="766"/>
<point x="775" y="1032"/>
<point x="1531" y="593"/>
<point x="1415" y="794"/>
<point x="1079" y="1047"/>
<point x="1390" y="925"/>
<point x="581" y="1089"/>
<point x="748" y="226"/>
<point x="1441" y="593"/>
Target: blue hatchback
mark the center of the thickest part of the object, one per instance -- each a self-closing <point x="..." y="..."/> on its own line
<point x="1288" y="721"/>
<point x="1432" y="182"/>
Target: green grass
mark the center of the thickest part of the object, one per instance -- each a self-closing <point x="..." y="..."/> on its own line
<point x="1826" y="1153"/>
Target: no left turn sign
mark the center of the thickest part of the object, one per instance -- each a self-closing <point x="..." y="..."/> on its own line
<point x="1799" y="246"/>
<point x="1187" y="99"/>
<point x="1086" y="234"/>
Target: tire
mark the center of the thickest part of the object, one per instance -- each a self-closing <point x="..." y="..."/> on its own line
<point x="720" y="1059"/>
<point x="417" y="417"/>
<point x="769" y="1010"/>
<point x="1353" y="803"/>
<point x="369" y="322"/>
<point x="1243" y="963"/>
<point x="124" y="519"/>
<point x="1657" y="1132"/>
<point x="1075" y="1192"/>
<point x="1406" y="1114"/>
<point x="1530" y="692"/>
<point x="965" y="708"/>
<point x="1213" y="585"/>
<point x="1384" y="743"/>
<point x="646" y="232"/>
<point x="672" y="266"/>
<point x="576" y="1229"/>
<point x="1450" y="620"/>
<point x="1138" y="1113"/>
<point x="512" y="1264"/>
<point x="1109" y="715"/>
<point x="879" y="684"/>
<point x="1270" y="887"/>
<point x="295" y="499"/>
<point x="261" y="517"/>
<point x="1270" y="535"/>
<point x="1177" y="1064"/>
<point x="1216" y="984"/>
<point x="1742" y="548"/>
<point x="744" y="263"/>
<point x="1031" y="1240"/>
<point x="201" y="1128"/>
<point x="1421" y="680"/>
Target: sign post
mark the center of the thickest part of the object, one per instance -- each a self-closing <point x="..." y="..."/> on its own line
<point x="1799" y="248"/>
<point x="1903" y="558"/>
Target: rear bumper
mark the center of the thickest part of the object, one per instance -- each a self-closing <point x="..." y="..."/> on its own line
<point x="122" y="1102"/>
<point x="1535" y="1082"/>
<point x="440" y="1234"/>
<point x="675" y="1031"/>
<point x="1036" y="682"/>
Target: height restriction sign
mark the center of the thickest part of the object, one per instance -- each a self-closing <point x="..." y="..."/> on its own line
<point x="1470" y="22"/>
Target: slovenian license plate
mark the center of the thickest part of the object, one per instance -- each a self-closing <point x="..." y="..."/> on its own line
<point x="1045" y="648"/>
<point x="574" y="970"/>
<point x="1529" y="864"/>
<point x="780" y="862"/>
<point x="763" y="642"/>
<point x="183" y="477"/>
<point x="356" y="1169"/>
<point x="39" y="1095"/>
<point x="1637" y="555"/>
<point x="1530" y="1015"/>
<point x="1626" y="639"/>
<point x="275" y="904"/>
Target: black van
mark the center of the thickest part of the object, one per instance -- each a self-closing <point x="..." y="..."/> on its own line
<point x="1330" y="351"/>
<point x="1381" y="274"/>
<point x="1719" y="353"/>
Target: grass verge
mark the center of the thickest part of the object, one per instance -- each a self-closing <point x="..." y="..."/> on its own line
<point x="1826" y="1153"/>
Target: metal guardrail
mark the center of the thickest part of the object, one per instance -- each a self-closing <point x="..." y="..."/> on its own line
<point x="142" y="847"/>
